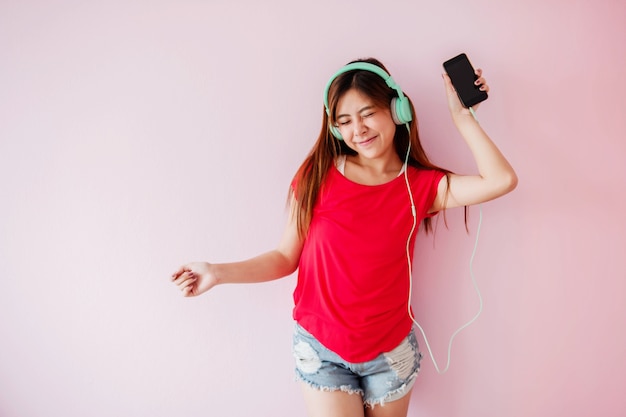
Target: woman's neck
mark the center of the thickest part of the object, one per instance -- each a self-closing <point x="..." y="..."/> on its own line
<point x="372" y="171"/>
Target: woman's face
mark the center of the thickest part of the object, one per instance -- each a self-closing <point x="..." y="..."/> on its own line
<point x="365" y="127"/>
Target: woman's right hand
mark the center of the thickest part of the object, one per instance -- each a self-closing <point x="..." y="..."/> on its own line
<point x="194" y="278"/>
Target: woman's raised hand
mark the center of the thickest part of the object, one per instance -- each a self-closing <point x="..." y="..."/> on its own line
<point x="454" y="103"/>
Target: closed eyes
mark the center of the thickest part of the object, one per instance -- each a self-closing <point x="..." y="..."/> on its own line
<point x="345" y="122"/>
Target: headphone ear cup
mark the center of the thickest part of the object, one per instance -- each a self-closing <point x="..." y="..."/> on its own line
<point x="334" y="130"/>
<point x="401" y="110"/>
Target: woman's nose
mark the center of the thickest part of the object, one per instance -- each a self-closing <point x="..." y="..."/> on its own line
<point x="359" y="126"/>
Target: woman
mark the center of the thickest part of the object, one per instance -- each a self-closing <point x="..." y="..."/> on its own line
<point x="354" y="205"/>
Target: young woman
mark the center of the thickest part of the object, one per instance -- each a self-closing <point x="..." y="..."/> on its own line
<point x="354" y="205"/>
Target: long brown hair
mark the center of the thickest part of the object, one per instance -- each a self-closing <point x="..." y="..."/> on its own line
<point x="312" y="173"/>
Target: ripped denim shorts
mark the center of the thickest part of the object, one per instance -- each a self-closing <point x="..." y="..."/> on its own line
<point x="386" y="378"/>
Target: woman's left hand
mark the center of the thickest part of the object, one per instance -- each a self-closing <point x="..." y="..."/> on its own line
<point x="454" y="103"/>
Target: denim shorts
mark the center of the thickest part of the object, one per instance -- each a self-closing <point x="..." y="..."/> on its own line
<point x="386" y="378"/>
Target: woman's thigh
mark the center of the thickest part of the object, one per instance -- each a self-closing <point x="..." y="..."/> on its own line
<point x="342" y="404"/>
<point x="332" y="403"/>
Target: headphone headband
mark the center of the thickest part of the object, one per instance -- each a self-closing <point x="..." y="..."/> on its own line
<point x="365" y="66"/>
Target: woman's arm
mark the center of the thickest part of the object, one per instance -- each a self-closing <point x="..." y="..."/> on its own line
<point x="198" y="277"/>
<point x="495" y="176"/>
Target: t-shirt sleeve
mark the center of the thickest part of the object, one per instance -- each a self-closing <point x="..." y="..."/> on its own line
<point x="432" y="178"/>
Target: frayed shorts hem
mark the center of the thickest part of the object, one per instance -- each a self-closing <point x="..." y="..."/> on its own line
<point x="343" y="388"/>
<point x="370" y="403"/>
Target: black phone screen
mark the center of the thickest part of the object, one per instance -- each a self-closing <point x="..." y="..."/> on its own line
<point x="462" y="75"/>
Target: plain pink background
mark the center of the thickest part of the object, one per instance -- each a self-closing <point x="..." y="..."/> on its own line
<point x="138" y="135"/>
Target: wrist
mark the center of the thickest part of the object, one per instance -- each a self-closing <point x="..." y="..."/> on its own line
<point x="463" y="118"/>
<point x="216" y="272"/>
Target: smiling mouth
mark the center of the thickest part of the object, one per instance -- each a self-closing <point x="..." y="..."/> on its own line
<point x="367" y="141"/>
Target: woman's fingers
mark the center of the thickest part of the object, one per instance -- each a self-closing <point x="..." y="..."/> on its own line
<point x="480" y="81"/>
<point x="185" y="281"/>
<point x="178" y="273"/>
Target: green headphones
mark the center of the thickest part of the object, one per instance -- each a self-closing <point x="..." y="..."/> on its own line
<point x="400" y="106"/>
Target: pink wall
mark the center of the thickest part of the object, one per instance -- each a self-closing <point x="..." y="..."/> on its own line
<point x="139" y="135"/>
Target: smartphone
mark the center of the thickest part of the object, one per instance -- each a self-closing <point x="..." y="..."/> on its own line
<point x="462" y="75"/>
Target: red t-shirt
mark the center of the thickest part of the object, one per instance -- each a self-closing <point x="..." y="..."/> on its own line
<point x="353" y="280"/>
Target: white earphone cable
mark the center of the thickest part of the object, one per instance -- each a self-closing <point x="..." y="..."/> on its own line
<point x="410" y="268"/>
